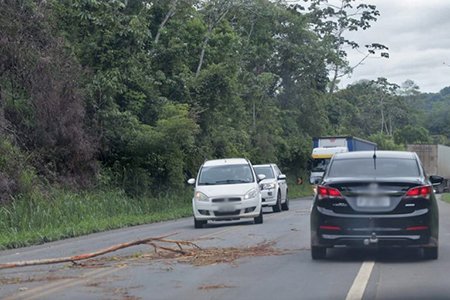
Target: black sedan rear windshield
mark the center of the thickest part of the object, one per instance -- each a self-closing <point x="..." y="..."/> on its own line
<point x="369" y="167"/>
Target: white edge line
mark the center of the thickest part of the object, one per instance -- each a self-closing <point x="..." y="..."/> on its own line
<point x="358" y="287"/>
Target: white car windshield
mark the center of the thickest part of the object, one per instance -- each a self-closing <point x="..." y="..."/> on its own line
<point x="265" y="171"/>
<point x="226" y="174"/>
<point x="320" y="165"/>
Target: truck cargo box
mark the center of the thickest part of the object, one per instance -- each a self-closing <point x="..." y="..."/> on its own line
<point x="435" y="160"/>
<point x="352" y="143"/>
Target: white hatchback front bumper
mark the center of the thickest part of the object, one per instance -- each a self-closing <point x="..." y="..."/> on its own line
<point x="269" y="197"/>
<point x="226" y="208"/>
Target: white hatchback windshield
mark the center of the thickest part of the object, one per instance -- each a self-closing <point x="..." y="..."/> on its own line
<point x="265" y="171"/>
<point x="226" y="174"/>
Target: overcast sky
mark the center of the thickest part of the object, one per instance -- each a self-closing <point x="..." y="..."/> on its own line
<point x="417" y="33"/>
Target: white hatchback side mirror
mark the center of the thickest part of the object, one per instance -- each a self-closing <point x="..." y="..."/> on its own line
<point x="261" y="177"/>
<point x="191" y="181"/>
<point x="281" y="177"/>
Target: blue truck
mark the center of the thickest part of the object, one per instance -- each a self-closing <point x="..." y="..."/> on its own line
<point x="326" y="146"/>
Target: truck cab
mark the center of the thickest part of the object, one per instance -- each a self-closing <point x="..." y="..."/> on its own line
<point x="326" y="146"/>
<point x="320" y="159"/>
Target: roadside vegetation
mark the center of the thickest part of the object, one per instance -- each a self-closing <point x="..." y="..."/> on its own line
<point x="108" y="107"/>
<point x="63" y="214"/>
<point x="297" y="190"/>
<point x="445" y="197"/>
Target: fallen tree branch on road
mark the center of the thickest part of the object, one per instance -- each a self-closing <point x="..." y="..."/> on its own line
<point x="184" y="252"/>
<point x="216" y="255"/>
<point x="73" y="259"/>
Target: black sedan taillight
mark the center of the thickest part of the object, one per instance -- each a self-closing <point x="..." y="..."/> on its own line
<point x="328" y="192"/>
<point x="419" y="192"/>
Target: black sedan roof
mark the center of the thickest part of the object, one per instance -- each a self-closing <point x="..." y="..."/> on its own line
<point x="379" y="154"/>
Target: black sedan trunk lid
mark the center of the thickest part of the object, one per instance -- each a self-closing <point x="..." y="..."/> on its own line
<point x="373" y="196"/>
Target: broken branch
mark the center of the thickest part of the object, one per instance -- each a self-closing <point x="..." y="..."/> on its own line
<point x="149" y="241"/>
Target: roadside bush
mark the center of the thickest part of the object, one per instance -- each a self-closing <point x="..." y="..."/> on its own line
<point x="16" y="175"/>
<point x="36" y="218"/>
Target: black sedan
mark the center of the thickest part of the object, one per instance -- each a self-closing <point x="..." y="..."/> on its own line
<point x="375" y="199"/>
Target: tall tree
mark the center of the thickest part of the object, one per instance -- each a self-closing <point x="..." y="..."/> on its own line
<point x="331" y="20"/>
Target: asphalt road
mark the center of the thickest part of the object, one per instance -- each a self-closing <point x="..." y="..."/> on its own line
<point x="238" y="260"/>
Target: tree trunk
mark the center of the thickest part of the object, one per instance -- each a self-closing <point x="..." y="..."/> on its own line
<point x="391" y="133"/>
<point x="2" y="114"/>
<point x="382" y="115"/>
<point x="254" y="116"/>
<point x="169" y="15"/>
<point x="333" y="81"/>
<point x="214" y="19"/>
<point x="202" y="53"/>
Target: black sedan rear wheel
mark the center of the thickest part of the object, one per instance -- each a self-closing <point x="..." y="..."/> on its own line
<point x="318" y="252"/>
<point x="430" y="253"/>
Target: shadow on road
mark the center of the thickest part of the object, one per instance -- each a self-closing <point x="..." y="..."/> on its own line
<point x="387" y="255"/>
<point x="217" y="224"/>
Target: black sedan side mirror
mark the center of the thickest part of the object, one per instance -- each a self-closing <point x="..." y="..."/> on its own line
<point x="436" y="180"/>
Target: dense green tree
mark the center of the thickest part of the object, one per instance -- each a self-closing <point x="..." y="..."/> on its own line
<point x="385" y="142"/>
<point x="41" y="101"/>
<point x="412" y="135"/>
<point x="145" y="135"/>
<point x="148" y="90"/>
<point x="368" y="107"/>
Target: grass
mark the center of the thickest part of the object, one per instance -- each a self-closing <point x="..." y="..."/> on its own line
<point x="299" y="190"/>
<point x="445" y="197"/>
<point x="60" y="214"/>
<point x="66" y="214"/>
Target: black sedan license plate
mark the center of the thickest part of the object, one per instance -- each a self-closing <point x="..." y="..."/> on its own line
<point x="382" y="201"/>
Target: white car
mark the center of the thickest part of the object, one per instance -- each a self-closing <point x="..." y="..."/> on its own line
<point x="226" y="189"/>
<point x="274" y="189"/>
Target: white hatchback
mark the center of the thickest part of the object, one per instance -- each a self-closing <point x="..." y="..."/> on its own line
<point x="226" y="189"/>
<point x="274" y="188"/>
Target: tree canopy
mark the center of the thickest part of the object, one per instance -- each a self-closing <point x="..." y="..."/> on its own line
<point x="139" y="93"/>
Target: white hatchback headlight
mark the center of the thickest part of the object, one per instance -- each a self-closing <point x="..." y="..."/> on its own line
<point x="268" y="186"/>
<point x="199" y="196"/>
<point x="251" y="194"/>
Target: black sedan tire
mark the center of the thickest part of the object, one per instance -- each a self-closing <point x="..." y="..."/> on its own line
<point x="430" y="253"/>
<point x="318" y="252"/>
